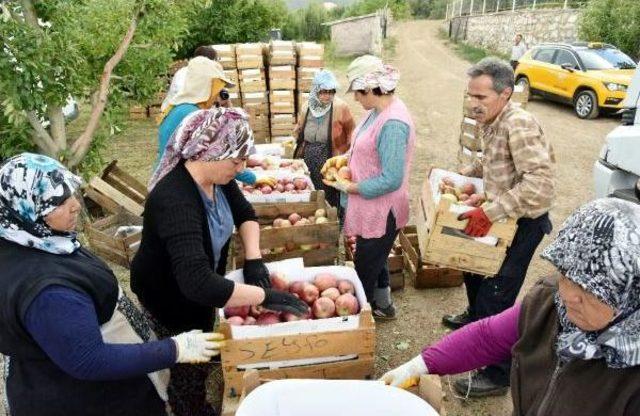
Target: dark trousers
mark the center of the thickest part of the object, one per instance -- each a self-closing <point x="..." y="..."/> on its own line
<point x="490" y="296"/>
<point x="371" y="258"/>
<point x="514" y="64"/>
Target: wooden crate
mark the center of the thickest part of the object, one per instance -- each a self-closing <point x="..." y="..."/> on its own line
<point x="310" y="55"/>
<point x="281" y="102"/>
<point x="226" y="55"/>
<point x="395" y="264"/>
<point x="429" y="389"/>
<point x="359" y="342"/>
<point x="424" y="275"/>
<point x="327" y="234"/>
<point x="104" y="242"/>
<point x="138" y="112"/>
<point x="115" y="189"/>
<point x="249" y="55"/>
<point x="232" y="74"/>
<point x="305" y="78"/>
<point x="442" y="241"/>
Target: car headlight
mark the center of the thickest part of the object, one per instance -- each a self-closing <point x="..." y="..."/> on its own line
<point x="612" y="86"/>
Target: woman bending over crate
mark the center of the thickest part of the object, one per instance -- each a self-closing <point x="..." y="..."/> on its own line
<point x="74" y="343"/>
<point x="193" y="205"/>
<point x="377" y="203"/>
<point x="574" y="339"/>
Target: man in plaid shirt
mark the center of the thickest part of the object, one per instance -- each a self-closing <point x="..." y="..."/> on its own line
<point x="517" y="170"/>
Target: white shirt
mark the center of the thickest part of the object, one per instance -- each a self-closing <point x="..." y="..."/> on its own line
<point x="516" y="51"/>
<point x="176" y="85"/>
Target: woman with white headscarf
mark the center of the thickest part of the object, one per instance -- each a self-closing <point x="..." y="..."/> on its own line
<point x="324" y="129"/>
<point x="74" y="343"/>
<point x="380" y="161"/>
<point x="575" y="338"/>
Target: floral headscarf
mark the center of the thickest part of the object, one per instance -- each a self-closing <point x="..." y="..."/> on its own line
<point x="207" y="135"/>
<point x="368" y="72"/>
<point x="598" y="248"/>
<point x="324" y="80"/>
<point x="31" y="187"/>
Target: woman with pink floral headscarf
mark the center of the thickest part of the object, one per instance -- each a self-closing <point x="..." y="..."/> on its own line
<point x="189" y="216"/>
<point x="380" y="160"/>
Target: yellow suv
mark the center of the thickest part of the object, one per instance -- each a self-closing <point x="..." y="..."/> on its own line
<point x="590" y="76"/>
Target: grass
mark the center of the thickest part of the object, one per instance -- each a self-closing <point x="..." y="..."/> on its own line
<point x="469" y="52"/>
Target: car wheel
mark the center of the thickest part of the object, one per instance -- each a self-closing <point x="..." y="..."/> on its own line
<point x="523" y="82"/>
<point x="586" y="105"/>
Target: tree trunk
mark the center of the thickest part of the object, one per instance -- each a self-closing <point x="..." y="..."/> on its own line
<point x="81" y="146"/>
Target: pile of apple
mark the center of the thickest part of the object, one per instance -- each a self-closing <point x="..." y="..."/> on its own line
<point x="260" y="163"/>
<point x="277" y="186"/>
<point x="297" y="220"/>
<point x="337" y="170"/>
<point x="327" y="296"/>
<point x="465" y="194"/>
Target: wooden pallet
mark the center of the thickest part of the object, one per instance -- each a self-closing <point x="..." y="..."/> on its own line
<point x="326" y="234"/>
<point x="395" y="264"/>
<point x="424" y="275"/>
<point x="359" y="341"/>
<point x="443" y="243"/>
<point x="104" y="242"/>
<point x="116" y="189"/>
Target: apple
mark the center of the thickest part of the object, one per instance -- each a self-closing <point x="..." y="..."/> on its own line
<point x="294" y="218"/>
<point x="320" y="213"/>
<point x="322" y="220"/>
<point x="344" y="173"/>
<point x="300" y="184"/>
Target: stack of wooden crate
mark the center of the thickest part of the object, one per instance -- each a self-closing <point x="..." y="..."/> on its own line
<point x="253" y="88"/>
<point x="227" y="58"/>
<point x="282" y="84"/>
<point x="310" y="61"/>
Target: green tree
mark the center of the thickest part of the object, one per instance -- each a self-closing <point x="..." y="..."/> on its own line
<point x="613" y="21"/>
<point x="420" y="8"/>
<point x="230" y="21"/>
<point x="99" y="52"/>
<point x="306" y="24"/>
<point x="438" y="9"/>
<point x="399" y="8"/>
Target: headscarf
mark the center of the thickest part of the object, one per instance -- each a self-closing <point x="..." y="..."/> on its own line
<point x="598" y="248"/>
<point x="203" y="81"/>
<point x="368" y="72"/>
<point x="31" y="187"/>
<point x="207" y="135"/>
<point x="324" y="80"/>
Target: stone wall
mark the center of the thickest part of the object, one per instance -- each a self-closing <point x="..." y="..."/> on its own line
<point x="357" y="36"/>
<point x="496" y="31"/>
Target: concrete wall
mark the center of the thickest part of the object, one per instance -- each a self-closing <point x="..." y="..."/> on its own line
<point x="357" y="36"/>
<point x="496" y="31"/>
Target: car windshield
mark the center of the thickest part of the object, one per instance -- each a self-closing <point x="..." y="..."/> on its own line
<point x="606" y="58"/>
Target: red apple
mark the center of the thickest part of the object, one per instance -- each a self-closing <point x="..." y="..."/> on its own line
<point x="296" y="287"/>
<point x="268" y="318"/>
<point x="300" y="183"/>
<point x="241" y="311"/>
<point x="289" y="187"/>
<point x="309" y="293"/>
<point x="324" y="281"/>
<point x="323" y="308"/>
<point x="294" y="218"/>
<point x="331" y="293"/>
<point x="279" y="281"/>
<point x="235" y="320"/>
<point x="346" y="305"/>
<point x="345" y="286"/>
<point x="250" y="320"/>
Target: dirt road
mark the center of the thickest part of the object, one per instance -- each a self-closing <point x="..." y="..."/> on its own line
<point x="432" y="84"/>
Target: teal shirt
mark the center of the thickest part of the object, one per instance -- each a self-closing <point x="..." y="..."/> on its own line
<point x="171" y="123"/>
<point x="391" y="144"/>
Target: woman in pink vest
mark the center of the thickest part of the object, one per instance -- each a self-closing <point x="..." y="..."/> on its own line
<point x="380" y="160"/>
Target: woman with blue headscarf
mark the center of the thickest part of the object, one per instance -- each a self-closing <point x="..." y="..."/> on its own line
<point x="324" y="129"/>
<point x="74" y="343"/>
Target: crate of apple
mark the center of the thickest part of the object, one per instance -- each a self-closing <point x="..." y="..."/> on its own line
<point x="278" y="186"/>
<point x="463" y="195"/>
<point x="327" y="295"/>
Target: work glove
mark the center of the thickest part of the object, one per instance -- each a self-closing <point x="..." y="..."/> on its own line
<point x="479" y="224"/>
<point x="256" y="273"/>
<point x="341" y="185"/>
<point x="277" y="300"/>
<point x="407" y="375"/>
<point x="246" y="176"/>
<point x="336" y="161"/>
<point x="197" y="347"/>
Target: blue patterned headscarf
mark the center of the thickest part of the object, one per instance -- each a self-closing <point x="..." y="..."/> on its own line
<point x="31" y="186"/>
<point x="324" y="80"/>
<point x="598" y="248"/>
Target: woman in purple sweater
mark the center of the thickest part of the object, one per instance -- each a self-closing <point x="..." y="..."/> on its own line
<point x="575" y="338"/>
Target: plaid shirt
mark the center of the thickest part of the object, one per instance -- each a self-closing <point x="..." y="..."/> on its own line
<point x="516" y="167"/>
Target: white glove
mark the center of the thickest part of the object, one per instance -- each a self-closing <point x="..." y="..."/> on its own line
<point x="407" y="375"/>
<point x="195" y="347"/>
